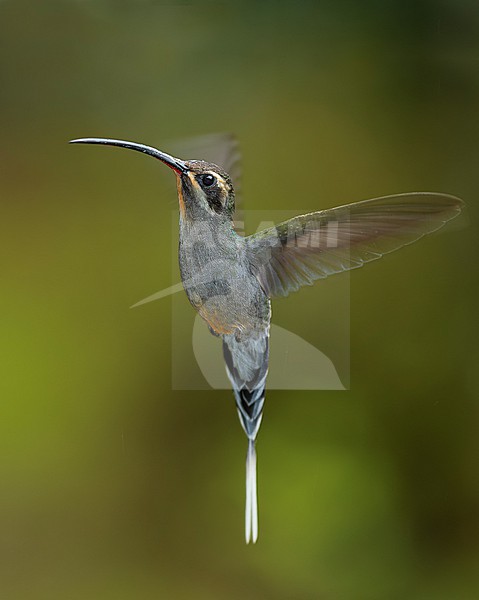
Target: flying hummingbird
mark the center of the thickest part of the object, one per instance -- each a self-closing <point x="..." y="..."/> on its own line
<point x="230" y="279"/>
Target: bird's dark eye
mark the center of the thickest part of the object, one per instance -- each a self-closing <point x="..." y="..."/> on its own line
<point x="208" y="180"/>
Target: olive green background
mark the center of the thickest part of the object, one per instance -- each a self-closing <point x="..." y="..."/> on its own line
<point x="113" y="486"/>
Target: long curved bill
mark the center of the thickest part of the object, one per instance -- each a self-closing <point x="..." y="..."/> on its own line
<point x="174" y="163"/>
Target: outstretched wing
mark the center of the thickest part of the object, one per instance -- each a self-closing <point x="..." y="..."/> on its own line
<point x="319" y="244"/>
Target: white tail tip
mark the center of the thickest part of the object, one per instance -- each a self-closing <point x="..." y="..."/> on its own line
<point x="251" y="512"/>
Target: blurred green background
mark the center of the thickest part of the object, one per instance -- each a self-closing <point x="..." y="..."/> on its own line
<point x="112" y="485"/>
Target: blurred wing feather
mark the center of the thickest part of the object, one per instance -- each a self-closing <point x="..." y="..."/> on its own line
<point x="316" y="245"/>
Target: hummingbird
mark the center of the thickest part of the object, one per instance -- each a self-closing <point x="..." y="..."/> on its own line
<point x="230" y="279"/>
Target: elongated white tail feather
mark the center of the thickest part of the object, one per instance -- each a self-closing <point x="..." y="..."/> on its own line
<point x="247" y="366"/>
<point x="251" y="512"/>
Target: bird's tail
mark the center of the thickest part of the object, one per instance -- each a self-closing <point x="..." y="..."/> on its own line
<point x="251" y="512"/>
<point x="247" y="367"/>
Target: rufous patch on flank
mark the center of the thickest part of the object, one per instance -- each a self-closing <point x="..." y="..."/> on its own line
<point x="214" y="322"/>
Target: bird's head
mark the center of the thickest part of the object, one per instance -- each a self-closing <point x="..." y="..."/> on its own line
<point x="205" y="191"/>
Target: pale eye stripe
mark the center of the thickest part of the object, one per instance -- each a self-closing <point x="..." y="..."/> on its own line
<point x="218" y="178"/>
<point x="200" y="192"/>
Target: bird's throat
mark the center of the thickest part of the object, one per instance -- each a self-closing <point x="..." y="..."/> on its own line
<point x="181" y="200"/>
